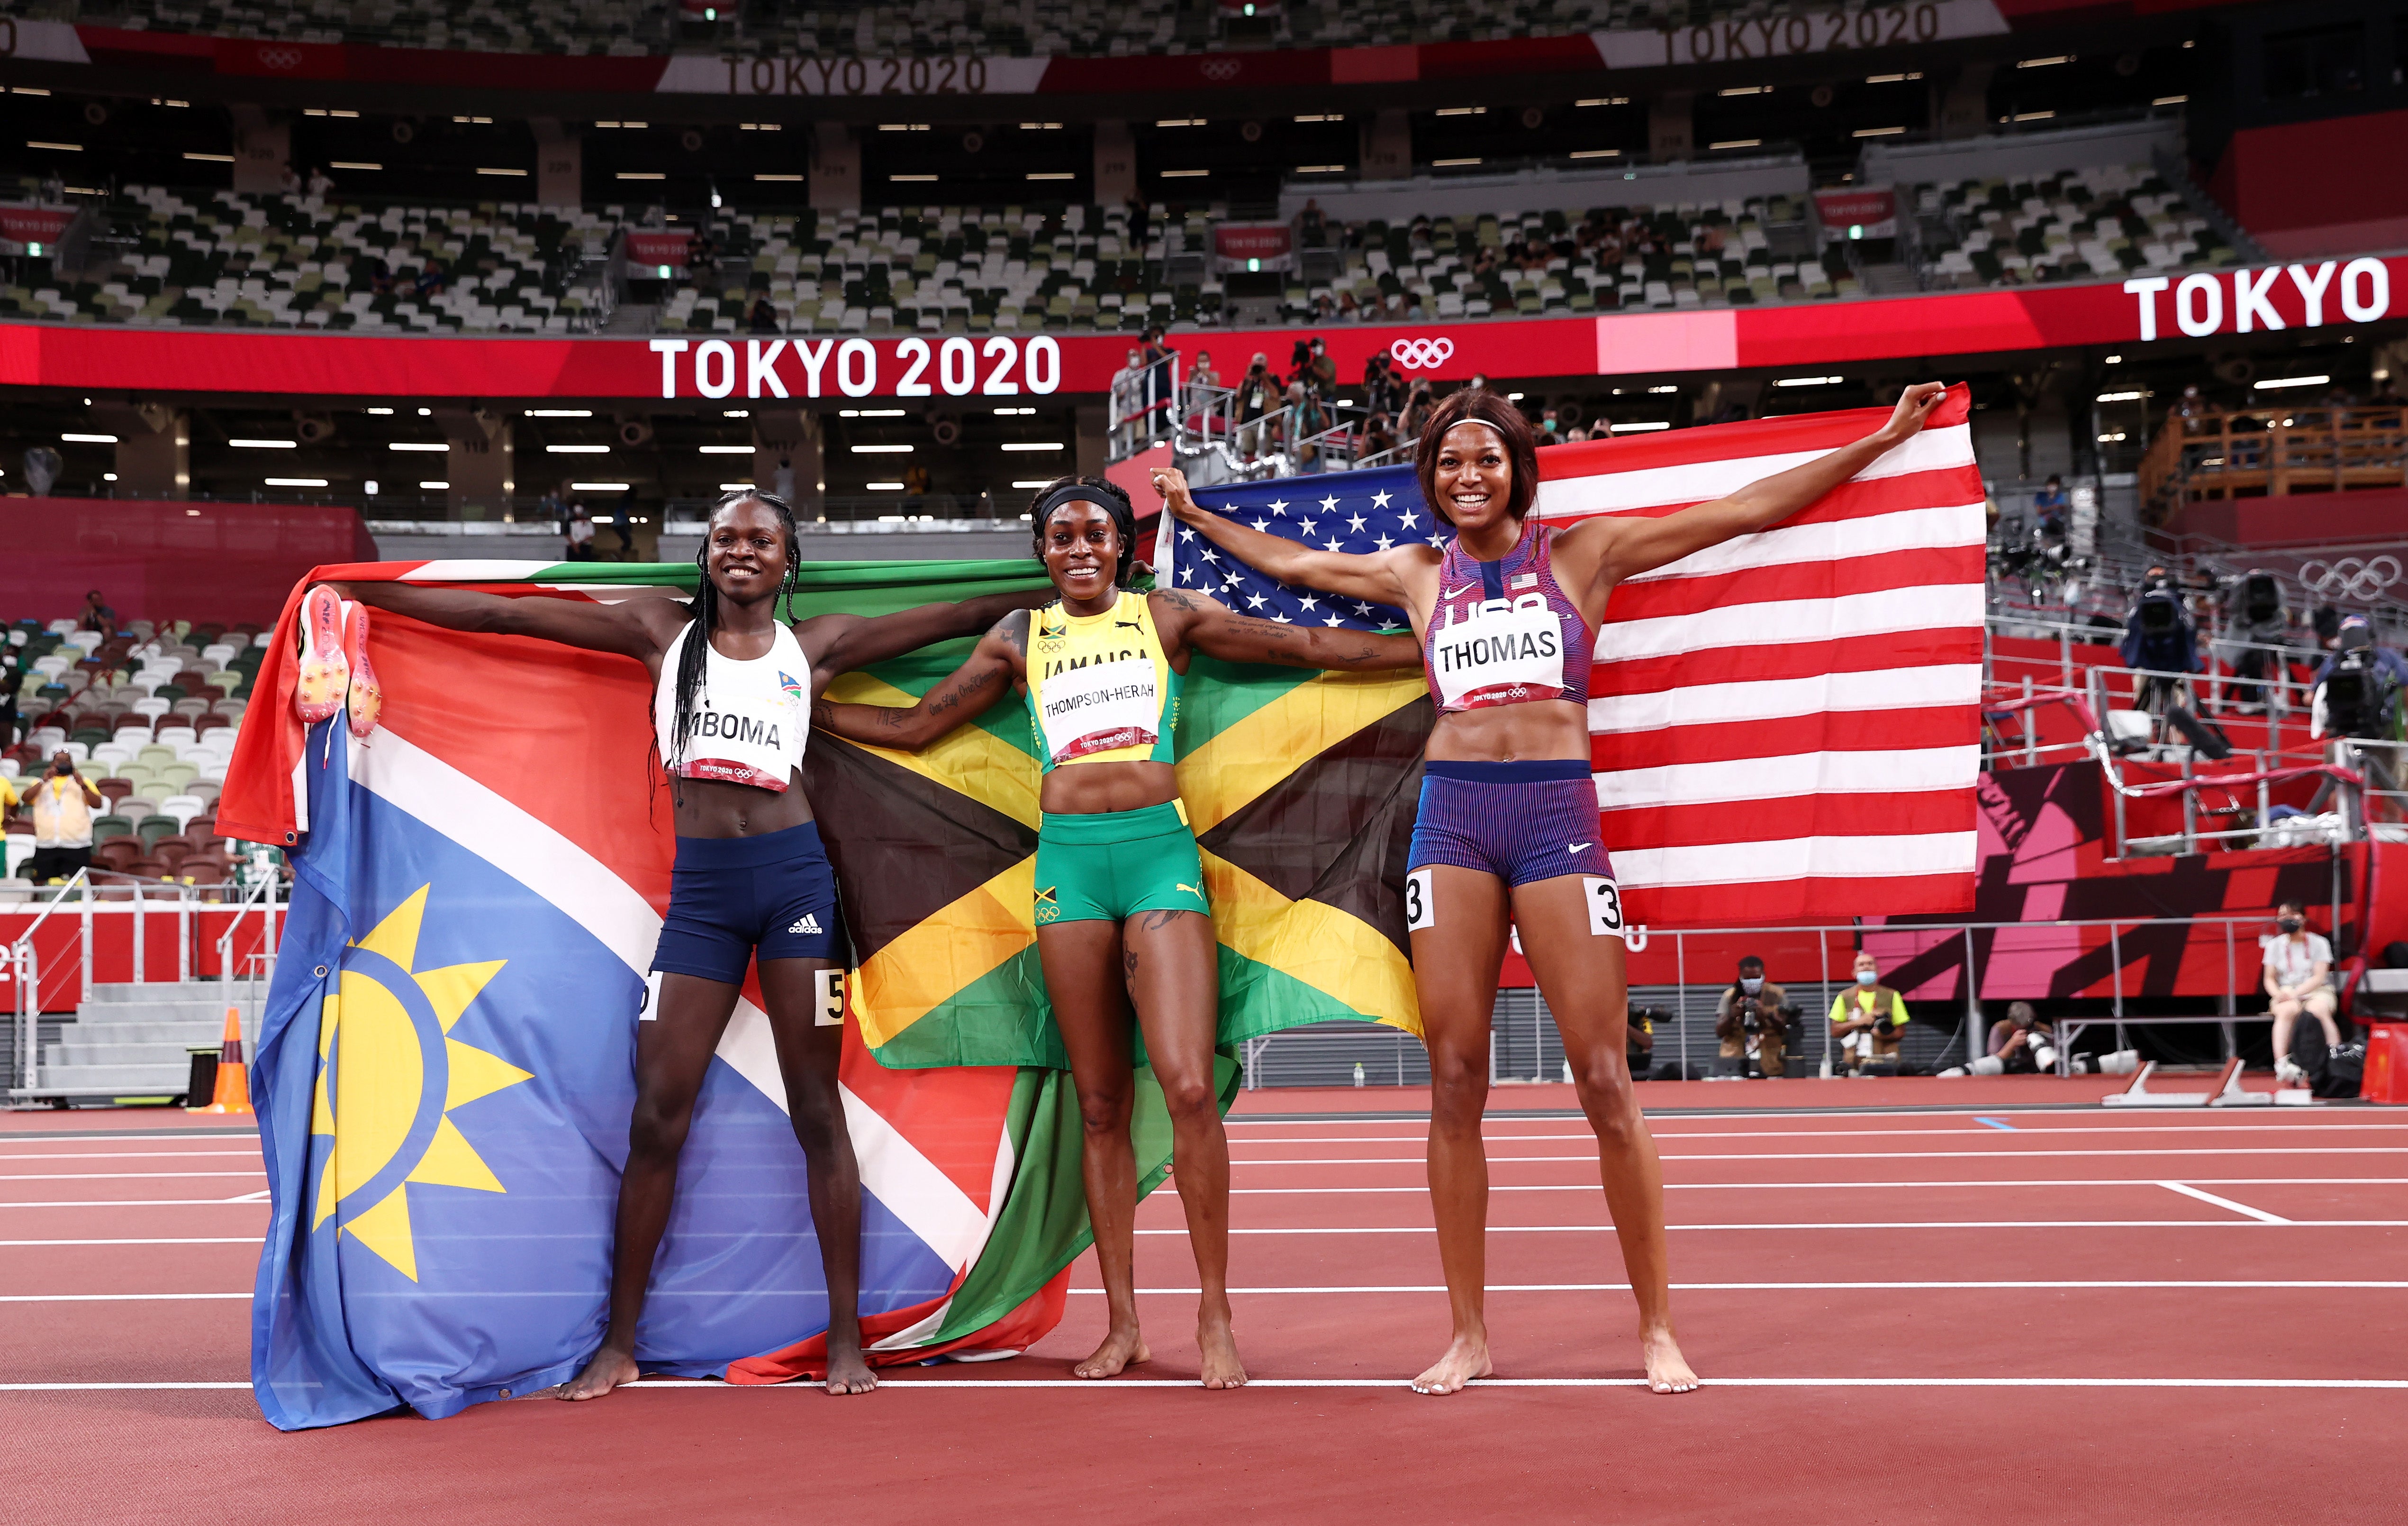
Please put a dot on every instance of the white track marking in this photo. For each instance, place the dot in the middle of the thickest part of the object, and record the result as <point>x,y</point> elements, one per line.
<point>2189,1191</point>
<point>897,1384</point>
<point>1803,1287</point>
<point>1864,1155</point>
<point>1818,1187</point>
<point>124,1175</point>
<point>1904,1224</point>
<point>193,1240</point>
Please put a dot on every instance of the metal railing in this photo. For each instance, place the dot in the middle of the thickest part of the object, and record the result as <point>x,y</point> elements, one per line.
<point>100,892</point>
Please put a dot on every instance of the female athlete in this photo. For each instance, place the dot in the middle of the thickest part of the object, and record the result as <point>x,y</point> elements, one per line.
<point>751,874</point>
<point>1121,914</point>
<point>1509,818</point>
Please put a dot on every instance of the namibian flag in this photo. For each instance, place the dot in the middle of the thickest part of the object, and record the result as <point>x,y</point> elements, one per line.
<point>445,1072</point>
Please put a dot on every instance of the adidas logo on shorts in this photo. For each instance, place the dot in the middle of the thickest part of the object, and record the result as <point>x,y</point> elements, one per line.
<point>808,922</point>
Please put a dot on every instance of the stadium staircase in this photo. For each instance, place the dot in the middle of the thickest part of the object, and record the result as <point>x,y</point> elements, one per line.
<point>130,1039</point>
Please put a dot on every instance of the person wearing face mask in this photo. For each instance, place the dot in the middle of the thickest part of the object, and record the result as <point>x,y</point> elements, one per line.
<point>1748,1023</point>
<point>2299,974</point>
<point>1865,1019</point>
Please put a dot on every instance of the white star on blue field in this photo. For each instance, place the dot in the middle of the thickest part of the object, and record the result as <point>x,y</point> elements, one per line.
<point>1355,512</point>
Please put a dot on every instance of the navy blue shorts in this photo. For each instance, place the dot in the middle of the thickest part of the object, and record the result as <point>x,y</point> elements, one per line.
<point>1521,822</point>
<point>731,896</point>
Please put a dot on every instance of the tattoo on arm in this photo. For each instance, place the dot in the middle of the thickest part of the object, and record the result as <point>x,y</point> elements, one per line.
<point>969,687</point>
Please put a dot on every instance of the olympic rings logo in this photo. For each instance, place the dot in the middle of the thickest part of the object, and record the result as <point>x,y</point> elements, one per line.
<point>280,58</point>
<point>2351,577</point>
<point>1421,354</point>
<point>1220,70</point>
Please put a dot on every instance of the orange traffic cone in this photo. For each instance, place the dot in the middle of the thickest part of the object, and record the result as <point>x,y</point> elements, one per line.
<point>233,1093</point>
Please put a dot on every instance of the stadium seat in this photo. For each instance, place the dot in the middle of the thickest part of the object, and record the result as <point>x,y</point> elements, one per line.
<point>105,827</point>
<point>183,808</point>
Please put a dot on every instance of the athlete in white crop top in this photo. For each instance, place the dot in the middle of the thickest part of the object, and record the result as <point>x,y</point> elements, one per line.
<point>733,687</point>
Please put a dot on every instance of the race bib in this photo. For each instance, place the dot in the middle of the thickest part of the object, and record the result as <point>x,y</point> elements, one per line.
<point>1098,708</point>
<point>1501,651</point>
<point>1419,913</point>
<point>1604,906</point>
<point>829,1010</point>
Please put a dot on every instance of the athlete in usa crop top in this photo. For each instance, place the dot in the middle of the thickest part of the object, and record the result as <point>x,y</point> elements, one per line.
<point>751,885</point>
<point>1505,632</point>
<point>1508,825</point>
<point>1119,905</point>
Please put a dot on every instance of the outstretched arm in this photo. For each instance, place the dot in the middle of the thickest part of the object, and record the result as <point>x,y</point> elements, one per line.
<point>999,657</point>
<point>1218,631</point>
<point>1376,578</point>
<point>640,628</point>
<point>839,643</point>
<point>1627,545</point>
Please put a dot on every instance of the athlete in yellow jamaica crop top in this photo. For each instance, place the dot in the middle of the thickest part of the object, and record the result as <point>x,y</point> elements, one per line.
<point>1120,888</point>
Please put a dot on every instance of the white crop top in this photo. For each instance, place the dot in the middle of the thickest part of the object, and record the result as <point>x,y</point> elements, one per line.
<point>751,719</point>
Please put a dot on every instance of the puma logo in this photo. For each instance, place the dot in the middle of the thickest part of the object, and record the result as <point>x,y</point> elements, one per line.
<point>1193,891</point>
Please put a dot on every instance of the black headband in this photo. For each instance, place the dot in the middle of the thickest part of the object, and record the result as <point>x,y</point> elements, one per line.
<point>1079,493</point>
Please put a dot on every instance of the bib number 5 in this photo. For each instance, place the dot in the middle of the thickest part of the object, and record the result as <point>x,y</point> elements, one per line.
<point>828,1012</point>
<point>1604,906</point>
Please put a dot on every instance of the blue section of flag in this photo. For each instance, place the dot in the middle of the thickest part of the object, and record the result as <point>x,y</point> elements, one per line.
<point>462,1293</point>
<point>1357,512</point>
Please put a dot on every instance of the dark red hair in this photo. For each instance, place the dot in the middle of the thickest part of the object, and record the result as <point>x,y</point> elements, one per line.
<point>1478,405</point>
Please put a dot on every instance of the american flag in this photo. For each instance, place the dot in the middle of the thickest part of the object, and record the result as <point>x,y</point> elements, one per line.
<point>1781,728</point>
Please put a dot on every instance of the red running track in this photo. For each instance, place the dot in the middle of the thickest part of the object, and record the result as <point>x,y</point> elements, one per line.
<point>1899,1314</point>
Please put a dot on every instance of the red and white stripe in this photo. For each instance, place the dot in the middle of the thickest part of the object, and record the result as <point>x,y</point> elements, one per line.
<point>1788,725</point>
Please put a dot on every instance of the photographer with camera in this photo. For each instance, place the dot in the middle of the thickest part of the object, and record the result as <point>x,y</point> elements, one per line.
<point>2020,1045</point>
<point>1751,1020</point>
<point>2255,619</point>
<point>1865,1019</point>
<point>62,803</point>
<point>2161,643</point>
<point>2356,696</point>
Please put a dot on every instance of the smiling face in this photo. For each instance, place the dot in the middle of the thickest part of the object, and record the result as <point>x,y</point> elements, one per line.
<point>746,558</point>
<point>1474,476</point>
<point>1082,551</point>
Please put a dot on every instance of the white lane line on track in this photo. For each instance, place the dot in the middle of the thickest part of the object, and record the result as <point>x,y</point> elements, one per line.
<point>2189,1191</point>
<point>1896,1224</point>
<point>1128,1385</point>
<point>191,1240</point>
<point>1817,1187</point>
<point>126,1175</point>
<point>2070,1286</point>
<point>122,1154</point>
<point>1662,1134</point>
<point>1590,1158</point>
<point>258,1198</point>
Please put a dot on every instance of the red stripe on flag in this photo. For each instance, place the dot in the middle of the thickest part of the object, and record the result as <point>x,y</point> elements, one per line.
<point>1886,814</point>
<point>1795,582</point>
<point>1831,899</point>
<point>1725,442</point>
<point>1789,659</point>
<point>1857,498</point>
<point>1837,730</point>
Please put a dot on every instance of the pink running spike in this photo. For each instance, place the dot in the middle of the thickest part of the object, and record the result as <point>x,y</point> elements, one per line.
<point>324,673</point>
<point>365,700</point>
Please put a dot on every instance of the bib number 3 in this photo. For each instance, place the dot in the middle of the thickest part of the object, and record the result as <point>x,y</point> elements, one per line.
<point>1604,906</point>
<point>829,1010</point>
<point>1419,913</point>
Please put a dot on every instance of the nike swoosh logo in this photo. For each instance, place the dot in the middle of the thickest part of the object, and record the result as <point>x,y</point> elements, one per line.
<point>1576,847</point>
<point>1457,593</point>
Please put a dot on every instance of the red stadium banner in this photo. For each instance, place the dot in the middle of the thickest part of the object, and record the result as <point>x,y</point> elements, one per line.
<point>35,224</point>
<point>653,247</point>
<point>1251,241</point>
<point>2323,293</point>
<point>1873,209</point>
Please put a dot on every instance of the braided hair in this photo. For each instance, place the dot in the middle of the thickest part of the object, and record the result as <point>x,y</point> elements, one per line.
<point>693,653</point>
<point>1109,496</point>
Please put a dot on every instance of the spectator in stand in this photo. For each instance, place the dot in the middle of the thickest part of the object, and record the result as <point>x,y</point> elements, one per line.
<point>2192,409</point>
<point>1257,395</point>
<point>1750,1024</point>
<point>63,801</point>
<point>580,535</point>
<point>2299,976</point>
<point>1311,228</point>
<point>1138,216</point>
<point>1202,382</point>
<point>12,682</point>
<point>97,615</point>
<point>1711,240</point>
<point>2048,508</point>
<point>1321,372</point>
<point>1307,422</point>
<point>1866,1019</point>
<point>1575,435</point>
<point>431,279</point>
<point>1153,356</point>
<point>781,482</point>
<point>380,276</point>
<point>915,480</point>
<point>763,318</point>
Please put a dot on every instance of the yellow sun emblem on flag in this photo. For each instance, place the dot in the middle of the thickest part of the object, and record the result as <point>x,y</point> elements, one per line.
<point>388,1076</point>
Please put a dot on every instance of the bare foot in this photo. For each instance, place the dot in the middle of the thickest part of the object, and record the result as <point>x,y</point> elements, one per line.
<point>1219,1344</point>
<point>1465,1359</point>
<point>1121,1349</point>
<point>848,1374</point>
<point>1667,1371</point>
<point>607,1371</point>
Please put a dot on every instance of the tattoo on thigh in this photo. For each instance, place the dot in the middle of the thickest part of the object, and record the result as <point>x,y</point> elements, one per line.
<point>1154,922</point>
